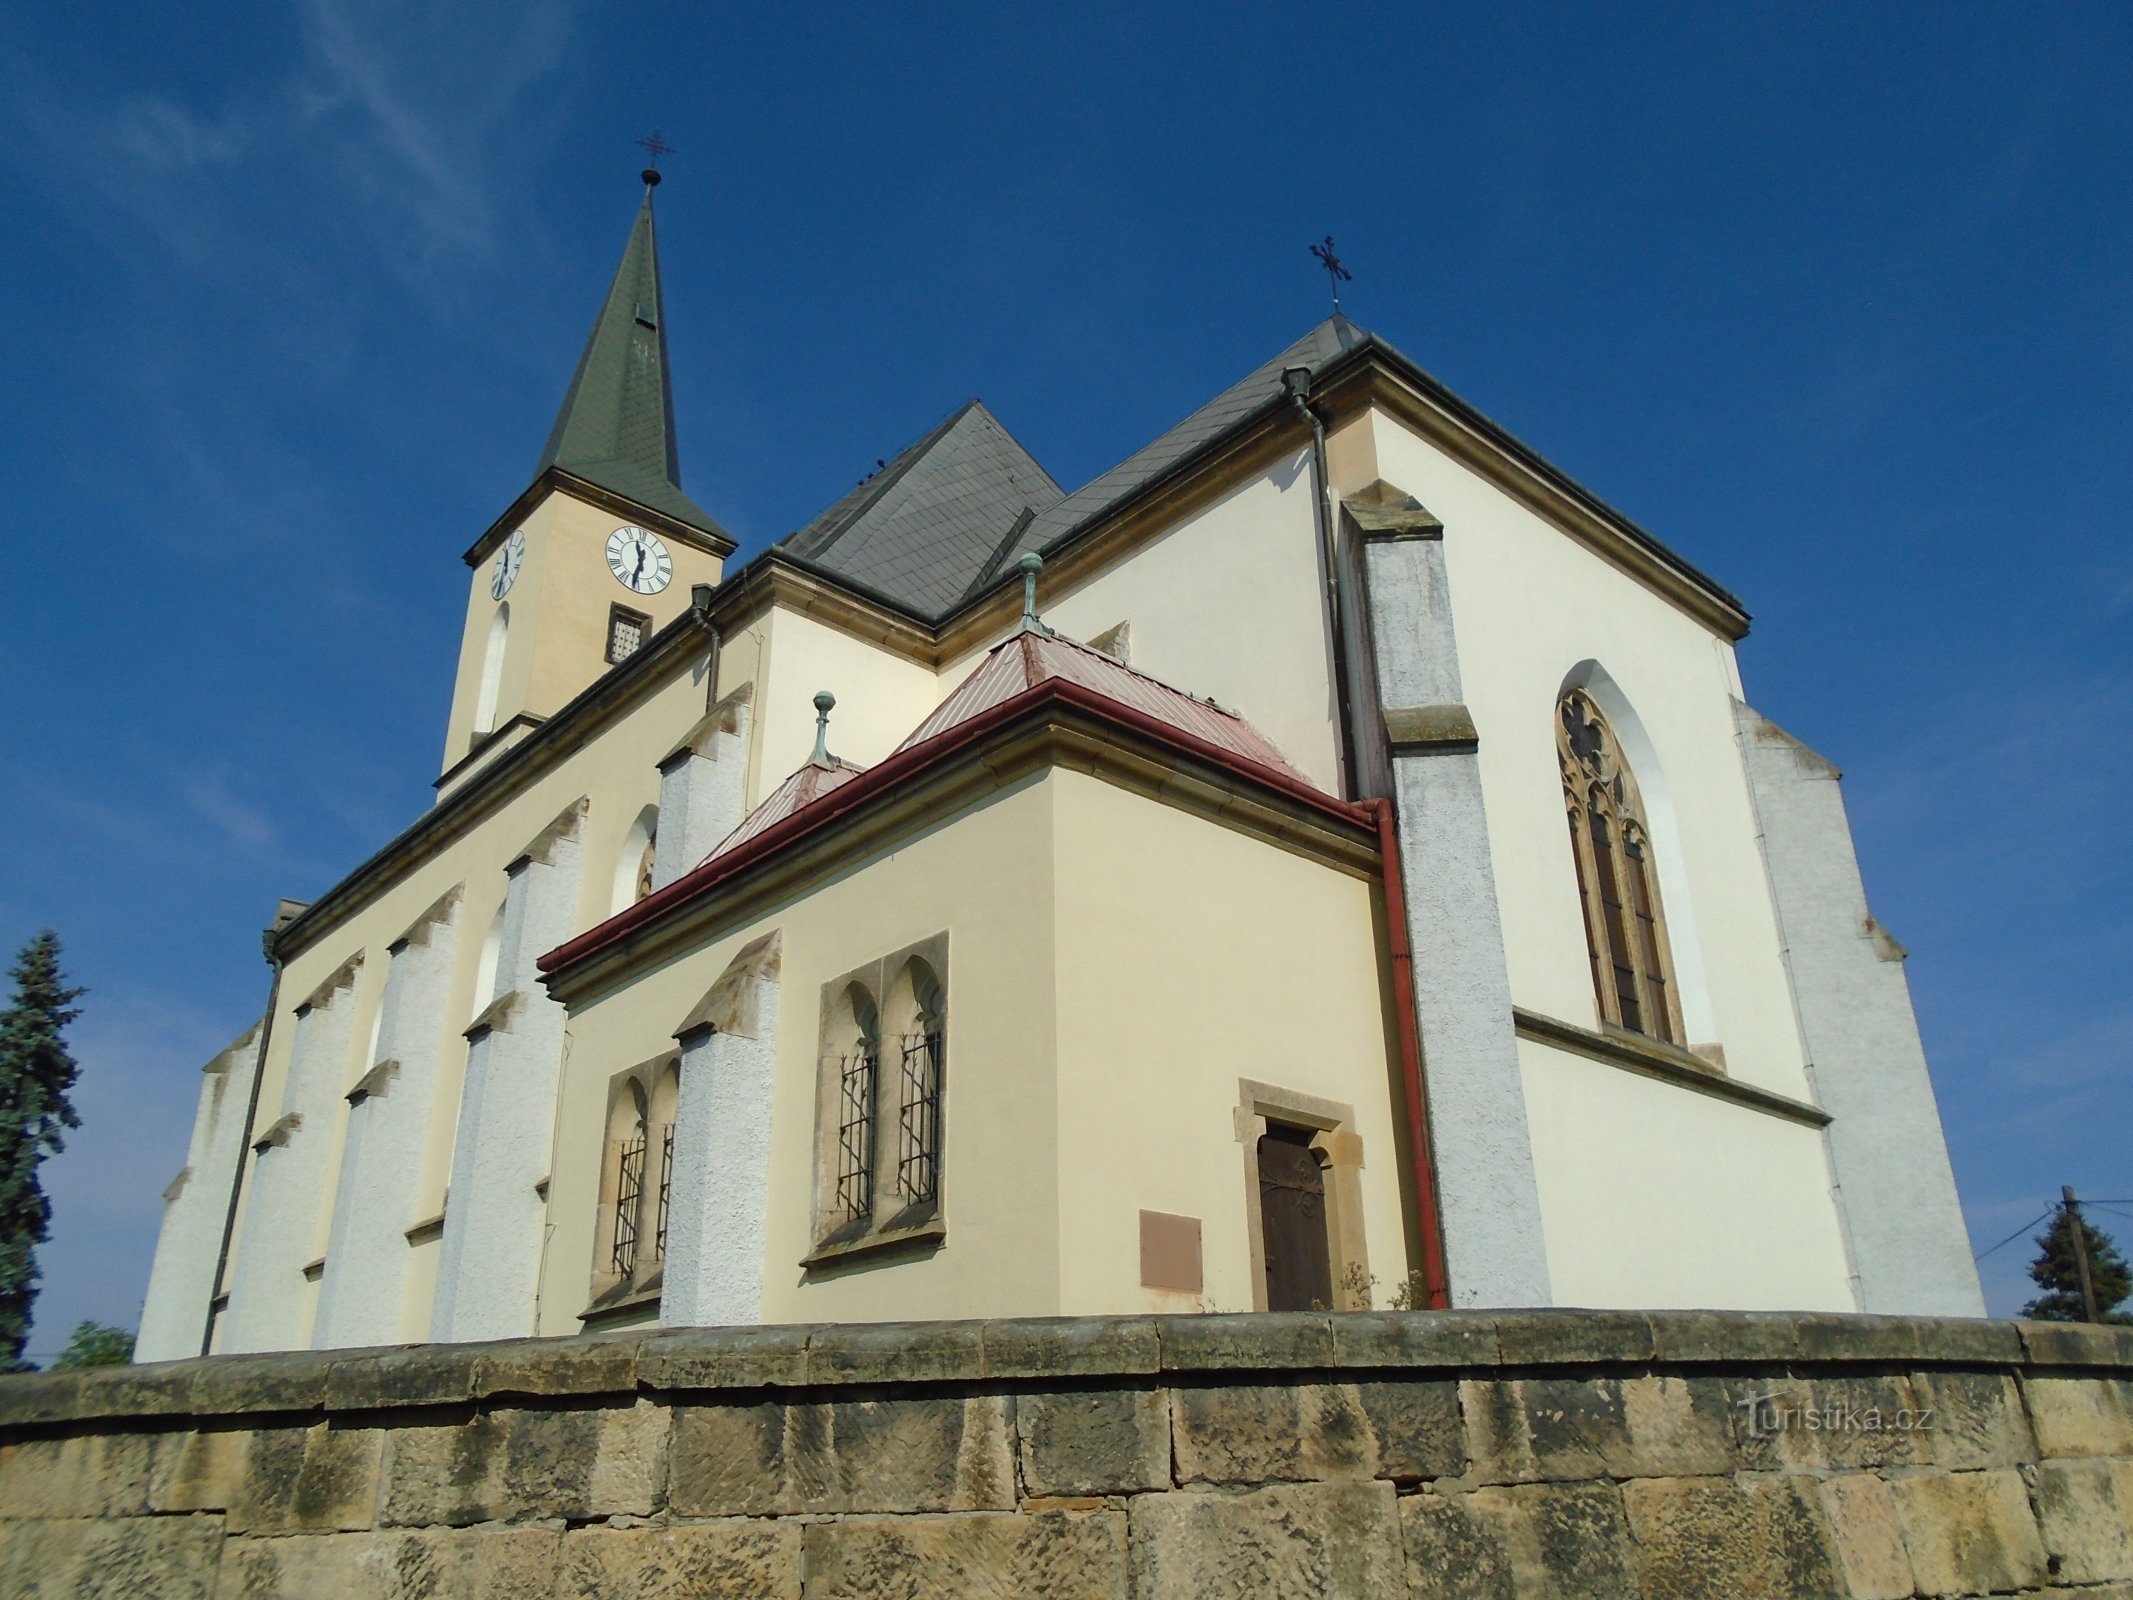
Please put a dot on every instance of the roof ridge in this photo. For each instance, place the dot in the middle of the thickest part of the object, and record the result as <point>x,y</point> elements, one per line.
<point>881,482</point>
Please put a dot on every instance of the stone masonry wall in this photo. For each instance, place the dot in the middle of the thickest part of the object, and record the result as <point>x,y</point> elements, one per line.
<point>1561,1453</point>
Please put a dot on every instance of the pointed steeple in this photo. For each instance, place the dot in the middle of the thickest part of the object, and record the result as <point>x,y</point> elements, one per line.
<point>616,428</point>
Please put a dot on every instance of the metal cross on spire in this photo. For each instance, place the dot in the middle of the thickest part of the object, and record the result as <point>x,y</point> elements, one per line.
<point>1336,274</point>
<point>654,148</point>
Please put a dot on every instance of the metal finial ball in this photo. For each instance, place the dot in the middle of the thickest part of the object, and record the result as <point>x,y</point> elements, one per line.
<point>824,701</point>
<point>650,175</point>
<point>1031,562</point>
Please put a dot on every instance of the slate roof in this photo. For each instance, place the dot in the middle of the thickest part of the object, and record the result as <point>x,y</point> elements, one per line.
<point>926,525</point>
<point>1331,338</point>
<point>1033,654</point>
<point>803,788</point>
<point>616,426</point>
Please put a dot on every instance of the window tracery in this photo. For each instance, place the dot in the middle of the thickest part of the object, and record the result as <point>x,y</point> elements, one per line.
<point>1618,889</point>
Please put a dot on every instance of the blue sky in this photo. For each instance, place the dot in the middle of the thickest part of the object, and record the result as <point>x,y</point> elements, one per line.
<point>1835,301</point>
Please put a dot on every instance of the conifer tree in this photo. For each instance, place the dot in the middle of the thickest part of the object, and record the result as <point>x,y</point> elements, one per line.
<point>2058,1274</point>
<point>36,1083</point>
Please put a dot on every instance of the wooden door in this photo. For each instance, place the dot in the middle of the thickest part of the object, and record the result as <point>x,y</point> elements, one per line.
<point>1292,1221</point>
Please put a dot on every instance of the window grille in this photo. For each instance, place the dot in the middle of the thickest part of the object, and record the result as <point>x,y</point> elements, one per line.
<point>666,1193</point>
<point>855,1130</point>
<point>625,633</point>
<point>629,1191</point>
<point>918,1128</point>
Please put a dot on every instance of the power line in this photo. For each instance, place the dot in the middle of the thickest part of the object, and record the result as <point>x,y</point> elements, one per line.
<point>2010,1239</point>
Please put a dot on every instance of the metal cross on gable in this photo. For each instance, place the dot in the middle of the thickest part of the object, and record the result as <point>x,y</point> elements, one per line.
<point>1336,274</point>
<point>654,148</point>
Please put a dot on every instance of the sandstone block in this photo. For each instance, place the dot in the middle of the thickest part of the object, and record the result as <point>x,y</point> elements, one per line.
<point>169,1558</point>
<point>1096,1441</point>
<point>599,1363</point>
<point>1284,1339</point>
<point>1546,1338</point>
<point>1559,1538</point>
<point>292,1381</point>
<point>1453,1551</point>
<point>1414,1339</point>
<point>2083,1416</point>
<point>29,1398</point>
<point>723,1358</point>
<point>930,1454</point>
<point>510,1465</point>
<point>86,1475</point>
<point>2076,1344</point>
<point>1058,1555</point>
<point>1752,1535</point>
<point>733,1560</point>
<point>1320,1541</point>
<point>1977,1420</point>
<point>1415,1428</point>
<point>318,1479</point>
<point>1569,1429</point>
<point>1055,1347</point>
<point>1969,1532</point>
<point>1862,1515</point>
<point>2085,1513</point>
<point>1239,1433</point>
<point>1710,1338</point>
<point>428,1375</point>
<point>1828,1422</point>
<point>895,1352</point>
<point>201,1471</point>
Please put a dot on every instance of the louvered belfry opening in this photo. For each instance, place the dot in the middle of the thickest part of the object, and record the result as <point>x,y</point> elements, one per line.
<point>1292,1221</point>
<point>1618,891</point>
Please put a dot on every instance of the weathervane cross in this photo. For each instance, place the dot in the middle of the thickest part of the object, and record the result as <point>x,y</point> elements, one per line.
<point>1336,274</point>
<point>654,148</point>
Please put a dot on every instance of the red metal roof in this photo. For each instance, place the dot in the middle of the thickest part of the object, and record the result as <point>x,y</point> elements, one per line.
<point>803,788</point>
<point>1031,656</point>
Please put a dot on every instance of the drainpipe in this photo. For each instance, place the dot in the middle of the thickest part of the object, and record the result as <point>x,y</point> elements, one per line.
<point>244,1148</point>
<point>1296,382</point>
<point>1427,1217</point>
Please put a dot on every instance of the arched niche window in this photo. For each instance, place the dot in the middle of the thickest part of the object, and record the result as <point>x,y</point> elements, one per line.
<point>916,1007</point>
<point>628,1121</point>
<point>633,864</point>
<point>856,1041</point>
<point>492,670</point>
<point>881,1103</point>
<point>1618,884</point>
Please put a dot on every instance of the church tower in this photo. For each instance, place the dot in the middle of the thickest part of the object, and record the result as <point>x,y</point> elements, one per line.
<point>603,548</point>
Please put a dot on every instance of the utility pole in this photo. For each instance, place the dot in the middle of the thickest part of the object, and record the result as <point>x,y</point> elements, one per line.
<point>2081,1255</point>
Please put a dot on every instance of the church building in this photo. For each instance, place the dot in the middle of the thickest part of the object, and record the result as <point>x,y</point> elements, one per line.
<point>1327,860</point>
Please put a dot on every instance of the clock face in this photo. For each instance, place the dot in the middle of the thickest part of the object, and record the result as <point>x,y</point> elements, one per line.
<point>509,559</point>
<point>638,560</point>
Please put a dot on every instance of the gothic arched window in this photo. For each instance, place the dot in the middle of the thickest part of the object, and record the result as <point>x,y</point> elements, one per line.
<point>1618,884</point>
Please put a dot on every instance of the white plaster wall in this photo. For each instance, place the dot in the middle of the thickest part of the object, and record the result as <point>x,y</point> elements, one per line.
<point>719,1207</point>
<point>269,1301</point>
<point>182,1281</point>
<point>1659,1196</point>
<point>367,1259</point>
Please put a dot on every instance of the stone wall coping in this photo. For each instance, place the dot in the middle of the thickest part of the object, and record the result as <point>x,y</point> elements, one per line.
<point>1041,1349</point>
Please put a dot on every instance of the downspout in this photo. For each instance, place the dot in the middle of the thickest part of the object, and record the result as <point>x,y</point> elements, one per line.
<point>1296,381</point>
<point>1427,1217</point>
<point>244,1148</point>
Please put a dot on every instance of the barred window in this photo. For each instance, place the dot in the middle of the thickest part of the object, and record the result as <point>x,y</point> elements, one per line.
<point>637,1180</point>
<point>1618,891</point>
<point>881,1099</point>
<point>918,1120</point>
<point>629,1195</point>
<point>625,633</point>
